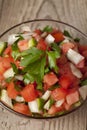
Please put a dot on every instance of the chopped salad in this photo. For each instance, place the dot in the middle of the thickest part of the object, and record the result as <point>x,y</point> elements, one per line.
<point>43,72</point>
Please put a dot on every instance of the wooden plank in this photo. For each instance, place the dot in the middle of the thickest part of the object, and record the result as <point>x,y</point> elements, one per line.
<point>16,11</point>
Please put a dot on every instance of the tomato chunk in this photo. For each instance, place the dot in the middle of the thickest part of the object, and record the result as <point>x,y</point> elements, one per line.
<point>58,36</point>
<point>66,46</point>
<point>58,94</point>
<point>53,110</point>
<point>50,79</point>
<point>72,98</point>
<point>65,81</point>
<point>42,45</point>
<point>12,92</point>
<point>21,108</point>
<point>29,93</point>
<point>23,45</point>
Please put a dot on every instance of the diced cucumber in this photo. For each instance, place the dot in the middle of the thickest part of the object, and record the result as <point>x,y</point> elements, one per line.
<point>5,98</point>
<point>40,102</point>
<point>46,95</point>
<point>59,102</point>
<point>32,42</point>
<point>47,105</point>
<point>33,106</point>
<point>3,45</point>
<point>9,73</point>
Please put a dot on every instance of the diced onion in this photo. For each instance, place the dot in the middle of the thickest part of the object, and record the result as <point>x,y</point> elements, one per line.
<point>33,106</point>
<point>12,38</point>
<point>5,98</point>
<point>9,73</point>
<point>26,29</point>
<point>49,39</point>
<point>75,71</point>
<point>59,103</point>
<point>46,95</point>
<point>19,99</point>
<point>19,77</point>
<point>83,91</point>
<point>47,105</point>
<point>74,56</point>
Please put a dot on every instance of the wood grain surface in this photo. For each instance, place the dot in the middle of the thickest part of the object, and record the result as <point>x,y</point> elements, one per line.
<point>73,12</point>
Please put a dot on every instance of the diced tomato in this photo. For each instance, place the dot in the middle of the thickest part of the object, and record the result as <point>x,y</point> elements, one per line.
<point>42,45</point>
<point>82,48</point>
<point>23,45</point>
<point>12,92</point>
<point>29,93</point>
<point>53,110</point>
<point>67,106</point>
<point>66,46</point>
<point>8,50</point>
<point>81,64</point>
<point>39,93</point>
<point>2,69</point>
<point>65,81</point>
<point>84,53</point>
<point>58,94</point>
<point>72,98</point>
<point>46,87</point>
<point>50,79</point>
<point>21,108</point>
<point>58,36</point>
<point>38,31</point>
<point>62,60</point>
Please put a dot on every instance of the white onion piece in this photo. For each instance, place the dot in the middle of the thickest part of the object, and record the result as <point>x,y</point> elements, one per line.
<point>49,39</point>
<point>19,99</point>
<point>46,95</point>
<point>74,56</point>
<point>33,106</point>
<point>83,91</point>
<point>27,36</point>
<point>25,29</point>
<point>19,77</point>
<point>5,98</point>
<point>44,34</point>
<point>75,71</point>
<point>9,73</point>
<point>59,103</point>
<point>47,105</point>
<point>12,38</point>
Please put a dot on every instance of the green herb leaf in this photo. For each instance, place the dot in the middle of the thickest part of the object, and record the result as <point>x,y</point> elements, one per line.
<point>84,82</point>
<point>15,49</point>
<point>77,39</point>
<point>52,61</point>
<point>8,80</point>
<point>14,67</point>
<point>56,49</point>
<point>66,33</point>
<point>48,29</point>
<point>31,58</point>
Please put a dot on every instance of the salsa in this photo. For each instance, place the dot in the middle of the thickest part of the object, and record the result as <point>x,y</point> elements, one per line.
<point>43,72</point>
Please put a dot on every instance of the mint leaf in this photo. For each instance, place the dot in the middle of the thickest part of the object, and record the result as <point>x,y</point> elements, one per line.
<point>84,82</point>
<point>77,39</point>
<point>14,67</point>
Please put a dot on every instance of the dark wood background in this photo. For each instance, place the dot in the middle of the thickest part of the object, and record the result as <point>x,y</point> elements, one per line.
<point>73,12</point>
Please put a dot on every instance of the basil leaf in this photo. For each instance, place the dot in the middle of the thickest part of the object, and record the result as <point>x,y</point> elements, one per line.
<point>57,49</point>
<point>48,29</point>
<point>66,33</point>
<point>52,61</point>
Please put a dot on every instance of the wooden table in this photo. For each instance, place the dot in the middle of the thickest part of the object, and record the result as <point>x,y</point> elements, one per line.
<point>73,12</point>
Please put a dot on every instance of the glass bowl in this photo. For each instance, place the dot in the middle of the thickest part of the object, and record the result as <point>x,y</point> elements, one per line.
<point>41,23</point>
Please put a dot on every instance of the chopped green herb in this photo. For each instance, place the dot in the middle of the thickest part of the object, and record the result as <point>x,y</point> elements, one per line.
<point>84,82</point>
<point>8,80</point>
<point>48,29</point>
<point>77,39</point>
<point>14,67</point>
<point>66,33</point>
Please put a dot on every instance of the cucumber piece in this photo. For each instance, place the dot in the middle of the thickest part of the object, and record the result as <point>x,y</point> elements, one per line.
<point>5,98</point>
<point>3,45</point>
<point>19,99</point>
<point>48,104</point>
<point>32,42</point>
<point>33,106</point>
<point>40,102</point>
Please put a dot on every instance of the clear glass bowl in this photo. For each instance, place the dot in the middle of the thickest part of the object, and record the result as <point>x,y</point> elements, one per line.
<point>41,23</point>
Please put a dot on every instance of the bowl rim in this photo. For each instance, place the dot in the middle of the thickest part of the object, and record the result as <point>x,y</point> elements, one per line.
<point>4,105</point>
